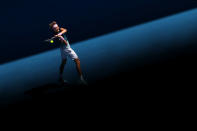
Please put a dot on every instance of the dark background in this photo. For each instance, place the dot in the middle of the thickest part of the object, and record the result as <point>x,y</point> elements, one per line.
<point>24,24</point>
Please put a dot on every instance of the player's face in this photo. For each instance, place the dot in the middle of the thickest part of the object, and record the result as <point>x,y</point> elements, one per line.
<point>56,29</point>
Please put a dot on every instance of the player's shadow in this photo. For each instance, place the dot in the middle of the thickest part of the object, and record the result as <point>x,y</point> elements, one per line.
<point>43,90</point>
<point>56,95</point>
<point>50,89</point>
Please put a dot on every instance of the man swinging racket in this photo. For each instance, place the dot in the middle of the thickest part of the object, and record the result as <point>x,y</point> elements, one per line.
<point>66,50</point>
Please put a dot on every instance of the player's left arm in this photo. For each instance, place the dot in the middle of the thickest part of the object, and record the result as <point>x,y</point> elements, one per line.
<point>63,30</point>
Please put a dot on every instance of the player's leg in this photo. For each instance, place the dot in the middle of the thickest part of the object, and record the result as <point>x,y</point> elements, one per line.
<point>63,63</point>
<point>71,53</point>
<point>78,67</point>
<point>62,67</point>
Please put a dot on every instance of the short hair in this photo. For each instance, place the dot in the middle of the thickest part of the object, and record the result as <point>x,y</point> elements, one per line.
<point>52,23</point>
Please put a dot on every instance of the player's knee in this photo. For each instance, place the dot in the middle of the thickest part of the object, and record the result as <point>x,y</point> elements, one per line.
<point>77,61</point>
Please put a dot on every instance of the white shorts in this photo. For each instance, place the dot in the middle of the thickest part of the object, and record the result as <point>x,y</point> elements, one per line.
<point>67,51</point>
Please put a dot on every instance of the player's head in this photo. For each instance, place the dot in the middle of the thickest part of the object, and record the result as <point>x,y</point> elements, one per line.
<point>54,26</point>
